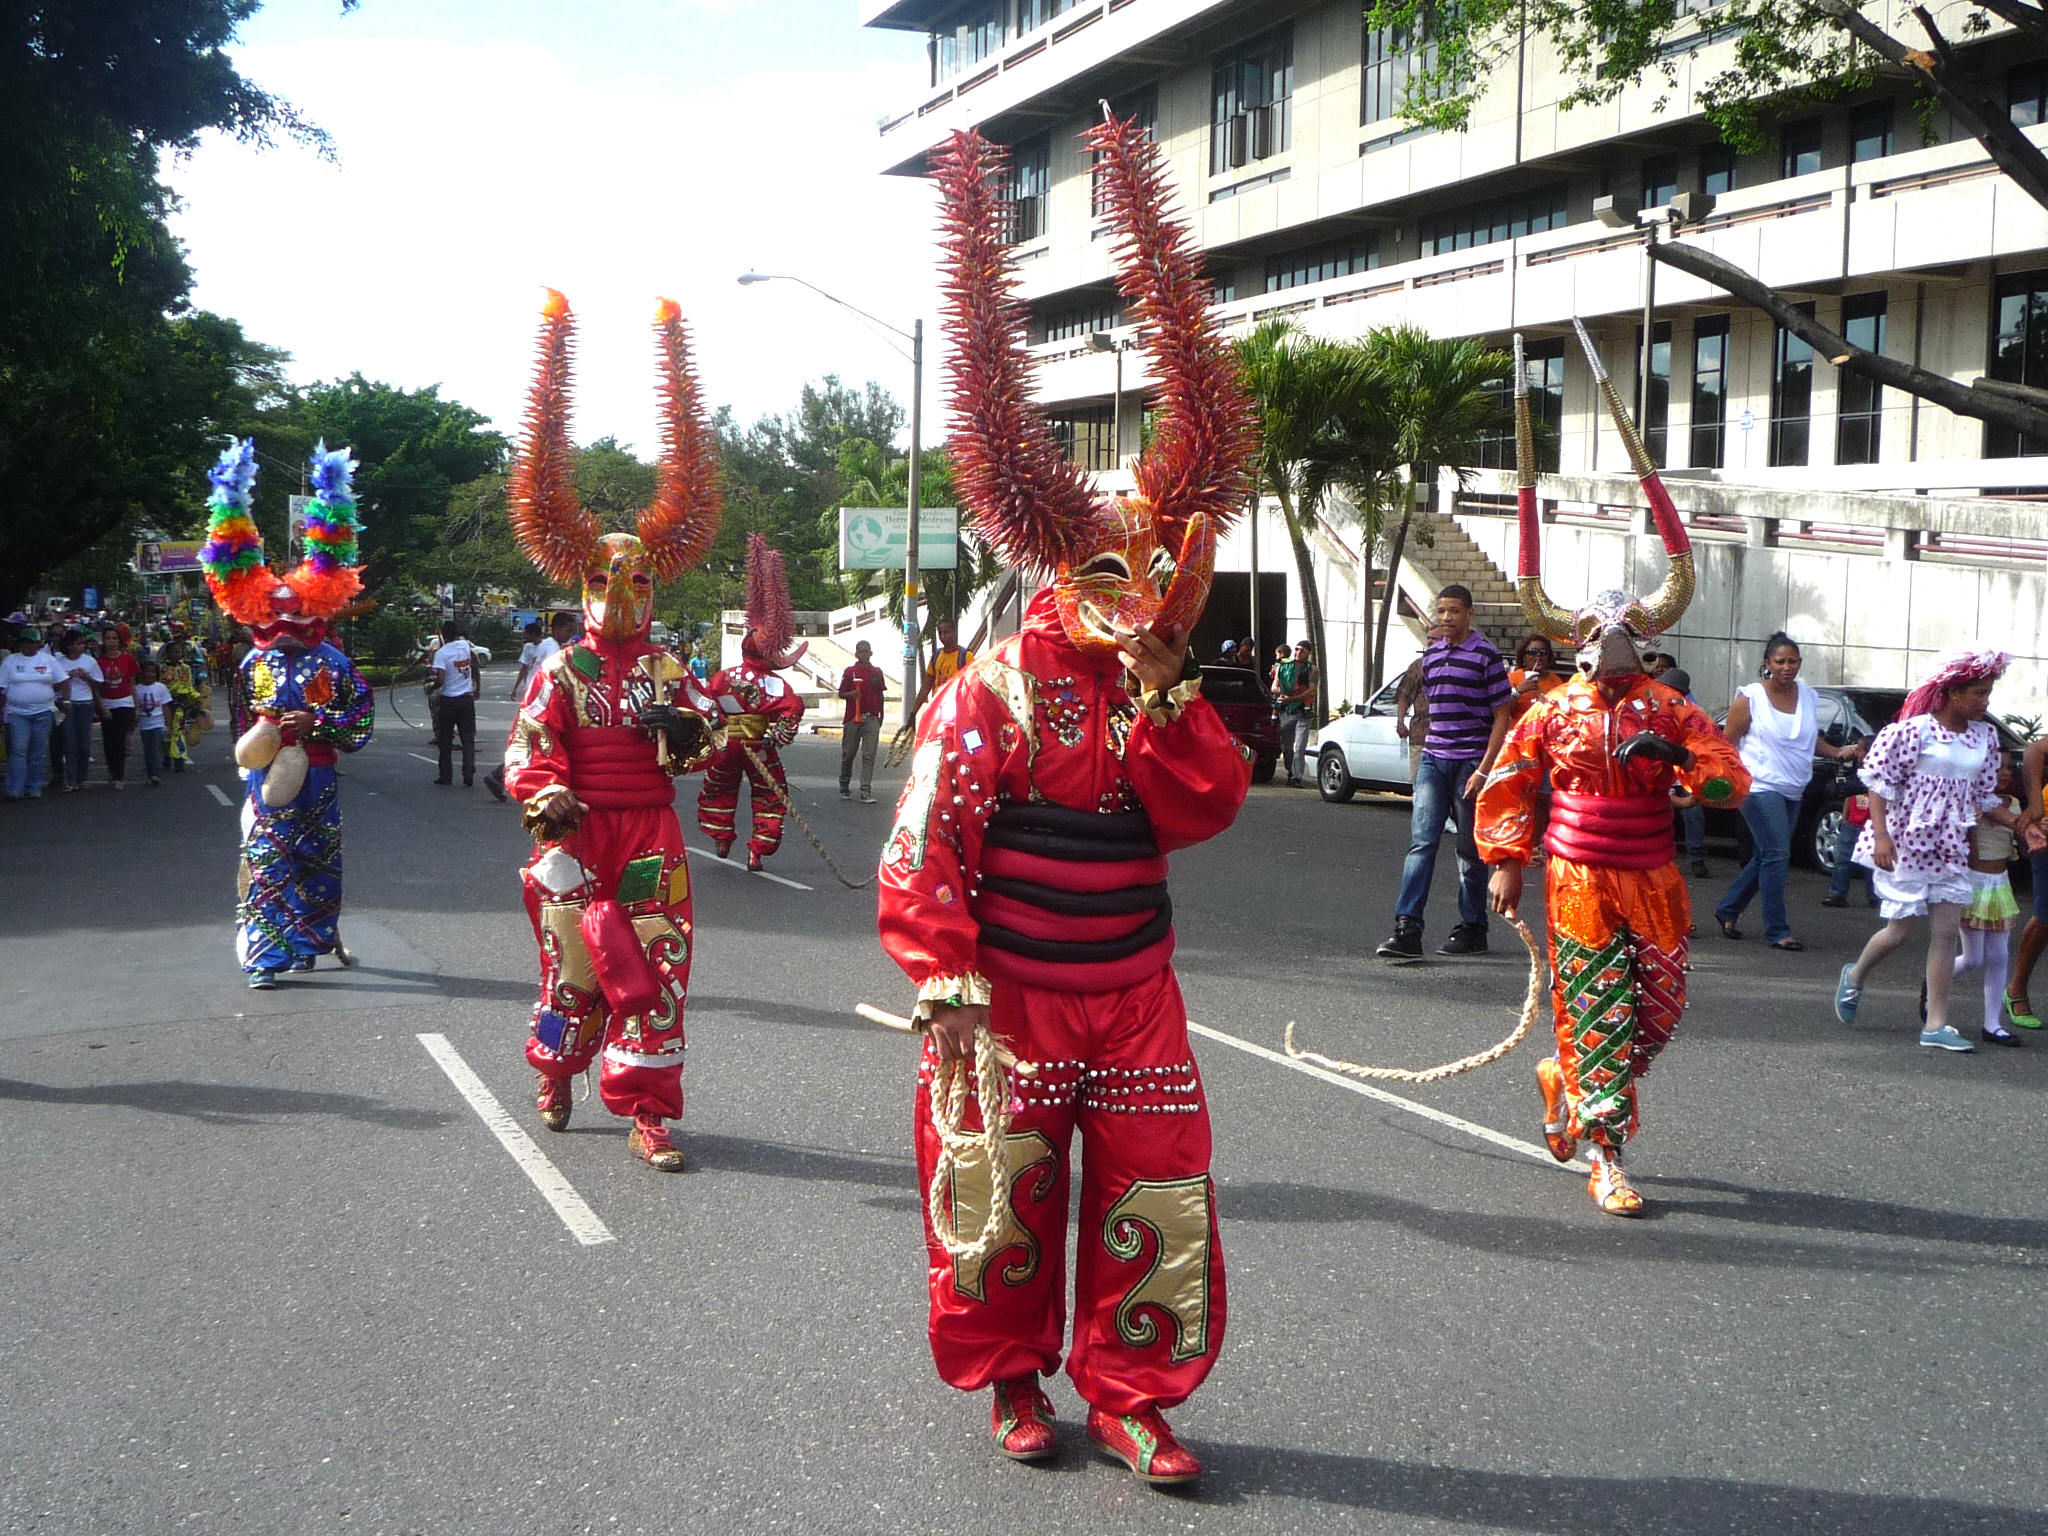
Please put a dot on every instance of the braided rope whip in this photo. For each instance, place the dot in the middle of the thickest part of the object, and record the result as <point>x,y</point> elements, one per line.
<point>789,809</point>
<point>899,746</point>
<point>1531,1006</point>
<point>949,1108</point>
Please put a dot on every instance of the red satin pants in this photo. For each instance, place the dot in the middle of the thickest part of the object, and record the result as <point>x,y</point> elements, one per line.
<point>718,800</point>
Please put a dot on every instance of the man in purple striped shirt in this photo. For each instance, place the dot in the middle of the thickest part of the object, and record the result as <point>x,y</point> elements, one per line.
<point>1466,684</point>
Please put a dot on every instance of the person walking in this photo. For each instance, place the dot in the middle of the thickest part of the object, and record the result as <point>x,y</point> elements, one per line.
<point>80,701</point>
<point>152,699</point>
<point>29,680</point>
<point>1993,912</point>
<point>1775,725</point>
<point>2019,1007</point>
<point>861,686</point>
<point>529,653</point>
<point>561,630</point>
<point>1466,683</point>
<point>454,663</point>
<point>1297,711</point>
<point>118,673</point>
<point>1932,773</point>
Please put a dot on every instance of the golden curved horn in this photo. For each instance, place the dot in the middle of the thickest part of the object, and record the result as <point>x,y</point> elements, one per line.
<point>1544,616</point>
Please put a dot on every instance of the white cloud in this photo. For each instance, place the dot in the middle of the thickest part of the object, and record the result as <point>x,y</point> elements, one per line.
<point>472,175</point>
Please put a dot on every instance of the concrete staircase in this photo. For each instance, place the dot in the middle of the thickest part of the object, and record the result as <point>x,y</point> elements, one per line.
<point>1453,556</point>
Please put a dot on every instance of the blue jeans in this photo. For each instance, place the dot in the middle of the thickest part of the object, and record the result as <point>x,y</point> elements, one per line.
<point>153,747</point>
<point>1295,731</point>
<point>28,752</point>
<point>1439,782</point>
<point>1694,820</point>
<point>1770,816</point>
<point>1846,870</point>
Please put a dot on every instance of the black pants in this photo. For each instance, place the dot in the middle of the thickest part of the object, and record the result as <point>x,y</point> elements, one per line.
<point>459,715</point>
<point>114,736</point>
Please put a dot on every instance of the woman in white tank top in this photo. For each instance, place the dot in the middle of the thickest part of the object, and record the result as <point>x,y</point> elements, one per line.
<point>1775,726</point>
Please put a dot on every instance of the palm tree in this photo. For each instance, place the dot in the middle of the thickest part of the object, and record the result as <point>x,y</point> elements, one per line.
<point>1439,409</point>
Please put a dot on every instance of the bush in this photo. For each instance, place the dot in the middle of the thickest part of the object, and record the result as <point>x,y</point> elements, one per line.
<point>495,635</point>
<point>389,636</point>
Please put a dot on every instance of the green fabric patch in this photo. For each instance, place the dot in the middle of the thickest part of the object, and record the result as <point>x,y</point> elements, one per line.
<point>1715,791</point>
<point>640,880</point>
<point>586,661</point>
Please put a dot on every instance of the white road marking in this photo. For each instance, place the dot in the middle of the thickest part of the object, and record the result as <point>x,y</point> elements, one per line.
<point>739,868</point>
<point>579,1218</point>
<point>215,791</point>
<point>1484,1133</point>
<point>431,762</point>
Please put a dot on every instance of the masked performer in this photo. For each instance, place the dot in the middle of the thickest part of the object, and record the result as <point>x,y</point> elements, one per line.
<point>760,711</point>
<point>1024,883</point>
<point>1614,743</point>
<point>604,728</point>
<point>306,704</point>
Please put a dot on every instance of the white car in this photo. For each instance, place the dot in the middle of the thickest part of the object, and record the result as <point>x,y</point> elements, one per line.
<point>1361,751</point>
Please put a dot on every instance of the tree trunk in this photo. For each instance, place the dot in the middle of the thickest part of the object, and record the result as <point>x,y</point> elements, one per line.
<point>1311,606</point>
<point>1393,594</point>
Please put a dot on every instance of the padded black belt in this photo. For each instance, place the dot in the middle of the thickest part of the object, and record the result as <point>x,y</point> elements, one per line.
<point>1056,832</point>
<point>1080,952</point>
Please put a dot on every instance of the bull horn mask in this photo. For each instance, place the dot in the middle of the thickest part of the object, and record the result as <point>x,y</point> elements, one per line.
<point>1610,631</point>
<point>562,537</point>
<point>1032,505</point>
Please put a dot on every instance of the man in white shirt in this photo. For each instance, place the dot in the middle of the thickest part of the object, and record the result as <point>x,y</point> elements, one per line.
<point>529,657</point>
<point>455,664</point>
<point>28,684</point>
<point>561,630</point>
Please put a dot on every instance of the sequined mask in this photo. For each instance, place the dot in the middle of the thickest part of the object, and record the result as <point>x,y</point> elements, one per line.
<point>618,589</point>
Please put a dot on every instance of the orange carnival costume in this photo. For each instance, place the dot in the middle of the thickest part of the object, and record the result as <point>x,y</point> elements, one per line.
<point>1614,743</point>
<point>760,712</point>
<point>1027,867</point>
<point>604,728</point>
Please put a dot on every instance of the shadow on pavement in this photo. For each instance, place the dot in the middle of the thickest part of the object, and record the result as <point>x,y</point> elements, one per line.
<point>1530,1237</point>
<point>1798,1208</point>
<point>779,1160</point>
<point>778,1012</point>
<point>227,1103</point>
<point>1587,1506</point>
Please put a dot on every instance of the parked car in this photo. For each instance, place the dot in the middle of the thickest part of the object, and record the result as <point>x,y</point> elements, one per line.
<point>1844,715</point>
<point>1361,751</point>
<point>1247,710</point>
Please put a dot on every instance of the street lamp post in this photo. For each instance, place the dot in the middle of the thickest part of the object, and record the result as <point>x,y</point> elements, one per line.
<point>1620,212</point>
<point>915,336</point>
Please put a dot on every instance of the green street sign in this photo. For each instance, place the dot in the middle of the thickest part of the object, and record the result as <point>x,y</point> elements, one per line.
<point>877,538</point>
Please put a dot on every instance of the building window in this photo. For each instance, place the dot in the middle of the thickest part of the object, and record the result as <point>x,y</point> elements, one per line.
<point>1717,170</point>
<point>1859,402</point>
<point>1799,148</point>
<point>2019,354</point>
<point>1144,106</point>
<point>1222,290</point>
<point>1098,314</point>
<point>1655,431</point>
<point>1320,263</point>
<point>1394,57</point>
<point>2026,93</point>
<point>1252,103</point>
<point>1505,218</point>
<point>1791,396</point>
<point>1660,181</point>
<point>978,34</point>
<point>1032,14</point>
<point>1543,365</point>
<point>1870,131</point>
<point>1030,183</point>
<point>1086,436</point>
<point>1709,391</point>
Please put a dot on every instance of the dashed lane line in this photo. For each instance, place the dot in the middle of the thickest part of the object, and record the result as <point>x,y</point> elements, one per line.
<point>1367,1090</point>
<point>577,1216</point>
<point>220,795</point>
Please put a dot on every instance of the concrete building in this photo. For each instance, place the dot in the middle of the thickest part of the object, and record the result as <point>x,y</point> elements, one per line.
<point>1874,526</point>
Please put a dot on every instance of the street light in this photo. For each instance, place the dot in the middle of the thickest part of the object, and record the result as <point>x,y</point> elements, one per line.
<point>1103,341</point>
<point>1619,211</point>
<point>915,336</point>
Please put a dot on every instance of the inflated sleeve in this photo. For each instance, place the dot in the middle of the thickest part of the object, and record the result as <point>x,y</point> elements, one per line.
<point>535,759</point>
<point>1504,824</point>
<point>1717,776</point>
<point>1190,773</point>
<point>1893,755</point>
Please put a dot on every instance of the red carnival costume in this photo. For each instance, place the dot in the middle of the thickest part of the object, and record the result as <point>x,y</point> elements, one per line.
<point>760,712</point>
<point>1027,867</point>
<point>1614,744</point>
<point>603,729</point>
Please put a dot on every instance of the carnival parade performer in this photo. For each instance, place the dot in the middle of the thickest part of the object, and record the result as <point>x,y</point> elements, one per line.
<point>603,729</point>
<point>1614,744</point>
<point>1023,887</point>
<point>1932,775</point>
<point>760,713</point>
<point>306,704</point>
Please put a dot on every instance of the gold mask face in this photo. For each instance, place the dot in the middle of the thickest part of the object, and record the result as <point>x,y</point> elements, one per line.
<point>618,590</point>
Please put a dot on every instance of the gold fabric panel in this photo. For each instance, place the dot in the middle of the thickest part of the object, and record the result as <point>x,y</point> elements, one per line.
<point>969,1192</point>
<point>1176,1214</point>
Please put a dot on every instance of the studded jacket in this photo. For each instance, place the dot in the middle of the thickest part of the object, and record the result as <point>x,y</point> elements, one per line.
<point>1031,840</point>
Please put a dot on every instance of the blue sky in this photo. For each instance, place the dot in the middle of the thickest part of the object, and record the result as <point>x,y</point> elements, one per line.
<point>619,150</point>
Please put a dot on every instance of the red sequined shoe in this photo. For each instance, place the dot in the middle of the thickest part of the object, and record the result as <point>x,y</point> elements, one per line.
<point>1144,1442</point>
<point>1557,1115</point>
<point>553,1101</point>
<point>649,1142</point>
<point>723,845</point>
<point>1020,1417</point>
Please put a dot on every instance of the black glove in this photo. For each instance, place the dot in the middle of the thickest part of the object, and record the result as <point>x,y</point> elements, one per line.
<point>1650,744</point>
<point>686,731</point>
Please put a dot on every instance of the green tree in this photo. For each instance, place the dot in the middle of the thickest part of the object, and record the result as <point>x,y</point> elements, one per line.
<point>1784,54</point>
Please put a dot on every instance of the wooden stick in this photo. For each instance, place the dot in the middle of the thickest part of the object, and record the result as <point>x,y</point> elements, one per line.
<point>875,1015</point>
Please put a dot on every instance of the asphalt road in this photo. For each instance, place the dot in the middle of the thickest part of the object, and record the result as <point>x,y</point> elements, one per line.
<point>267,1270</point>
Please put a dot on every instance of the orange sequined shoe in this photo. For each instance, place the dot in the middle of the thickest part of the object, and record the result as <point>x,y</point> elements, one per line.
<point>1020,1417</point>
<point>1144,1442</point>
<point>553,1101</point>
<point>1611,1190</point>
<point>649,1142</point>
<point>1557,1115</point>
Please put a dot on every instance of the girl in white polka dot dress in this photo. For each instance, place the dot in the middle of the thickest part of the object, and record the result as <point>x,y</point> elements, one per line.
<point>1930,774</point>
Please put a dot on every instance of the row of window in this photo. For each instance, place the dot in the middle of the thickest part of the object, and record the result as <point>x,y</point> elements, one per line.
<point>985,29</point>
